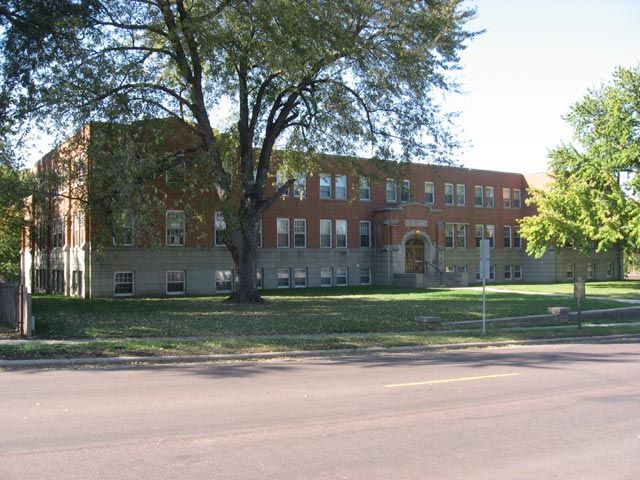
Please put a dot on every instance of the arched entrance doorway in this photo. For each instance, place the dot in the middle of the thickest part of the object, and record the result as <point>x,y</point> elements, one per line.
<point>414,256</point>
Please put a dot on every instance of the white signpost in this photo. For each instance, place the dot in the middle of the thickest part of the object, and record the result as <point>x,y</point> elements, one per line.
<point>485,253</point>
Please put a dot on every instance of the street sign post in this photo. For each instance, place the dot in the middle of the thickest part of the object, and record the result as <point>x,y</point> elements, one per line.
<point>485,253</point>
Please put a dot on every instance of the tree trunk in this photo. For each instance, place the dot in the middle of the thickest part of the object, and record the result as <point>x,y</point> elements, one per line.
<point>243,245</point>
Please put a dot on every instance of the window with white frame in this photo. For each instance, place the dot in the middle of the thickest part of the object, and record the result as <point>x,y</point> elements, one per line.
<point>461,269</point>
<point>508,269</point>
<point>282,240</point>
<point>365,275</point>
<point>517,198</point>
<point>364,191</point>
<point>176,174</point>
<point>490,199</point>
<point>300,186</point>
<point>281,179</point>
<point>461,194</point>
<point>479,234</point>
<point>300,277</point>
<point>224,281</point>
<point>507,236</point>
<point>259,277</point>
<point>326,277</point>
<point>58,233</point>
<point>569,271</point>
<point>490,232</point>
<point>175,228</point>
<point>284,278</point>
<point>341,234</point>
<point>365,234</point>
<point>590,271</point>
<point>325,233</point>
<point>517,272</point>
<point>123,284</point>
<point>610,270</point>
<point>392,191</point>
<point>506,197</point>
<point>405,191</point>
<point>325,186</point>
<point>449,234</point>
<point>517,242</point>
<point>342,276</point>
<point>220,229</point>
<point>492,272</point>
<point>448,194</point>
<point>341,187</point>
<point>175,282</point>
<point>461,236</point>
<point>455,235</point>
<point>449,268</point>
<point>122,229</point>
<point>429,193</point>
<point>299,233</point>
<point>478,196</point>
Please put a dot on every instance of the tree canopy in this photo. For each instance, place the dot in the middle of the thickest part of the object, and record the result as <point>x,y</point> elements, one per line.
<point>593,200</point>
<point>333,76</point>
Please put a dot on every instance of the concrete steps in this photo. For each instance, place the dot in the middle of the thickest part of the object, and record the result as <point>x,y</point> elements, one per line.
<point>432,280</point>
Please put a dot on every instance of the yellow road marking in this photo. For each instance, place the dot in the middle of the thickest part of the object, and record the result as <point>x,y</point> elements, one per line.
<point>450,380</point>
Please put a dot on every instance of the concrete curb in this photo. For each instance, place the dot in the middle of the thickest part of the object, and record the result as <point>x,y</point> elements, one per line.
<point>169,360</point>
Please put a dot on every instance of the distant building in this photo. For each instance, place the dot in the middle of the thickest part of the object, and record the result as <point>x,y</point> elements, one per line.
<point>333,229</point>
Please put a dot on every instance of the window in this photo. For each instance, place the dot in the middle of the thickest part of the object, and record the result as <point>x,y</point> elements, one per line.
<point>478,196</point>
<point>429,193</point>
<point>300,278</point>
<point>78,230</point>
<point>281,179</point>
<point>122,229</point>
<point>479,234</point>
<point>517,198</point>
<point>175,228</point>
<point>448,235</point>
<point>283,278</point>
<point>325,233</point>
<point>448,193</point>
<point>175,282</point>
<point>326,277</point>
<point>220,229</point>
<point>391,191</point>
<point>259,277</point>
<point>365,275</point>
<point>506,198</point>
<point>259,239</point>
<point>364,192</point>
<point>507,272</point>
<point>461,236</point>
<point>341,234</point>
<point>517,272</point>
<point>365,234</point>
<point>300,186</point>
<point>491,235</point>
<point>489,197</point>
<point>461,194</point>
<point>325,186</point>
<point>610,270</point>
<point>517,242</point>
<point>176,173</point>
<point>590,271</point>
<point>58,233</point>
<point>461,269</point>
<point>341,187</point>
<point>450,269</point>
<point>299,233</point>
<point>342,277</point>
<point>405,191</point>
<point>507,236</point>
<point>123,284</point>
<point>283,233</point>
<point>568,273</point>
<point>492,272</point>
<point>224,281</point>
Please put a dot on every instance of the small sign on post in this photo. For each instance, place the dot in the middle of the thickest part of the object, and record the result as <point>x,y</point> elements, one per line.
<point>485,253</point>
<point>579,294</point>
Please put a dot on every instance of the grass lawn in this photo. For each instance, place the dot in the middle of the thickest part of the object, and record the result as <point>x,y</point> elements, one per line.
<point>628,289</point>
<point>353,310</point>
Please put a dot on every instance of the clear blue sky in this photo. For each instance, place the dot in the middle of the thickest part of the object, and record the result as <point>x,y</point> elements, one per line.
<point>536,58</point>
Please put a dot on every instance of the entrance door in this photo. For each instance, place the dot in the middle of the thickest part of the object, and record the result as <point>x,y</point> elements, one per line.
<point>414,256</point>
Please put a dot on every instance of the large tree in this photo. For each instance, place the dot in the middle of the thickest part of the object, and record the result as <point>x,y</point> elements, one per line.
<point>593,199</point>
<point>304,76</point>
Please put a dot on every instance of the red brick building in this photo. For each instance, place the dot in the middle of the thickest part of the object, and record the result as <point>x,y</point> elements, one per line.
<point>421,228</point>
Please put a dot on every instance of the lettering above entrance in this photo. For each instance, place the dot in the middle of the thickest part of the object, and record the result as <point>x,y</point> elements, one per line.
<point>415,223</point>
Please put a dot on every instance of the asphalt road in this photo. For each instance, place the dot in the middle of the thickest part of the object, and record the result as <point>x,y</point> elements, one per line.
<point>544,412</point>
